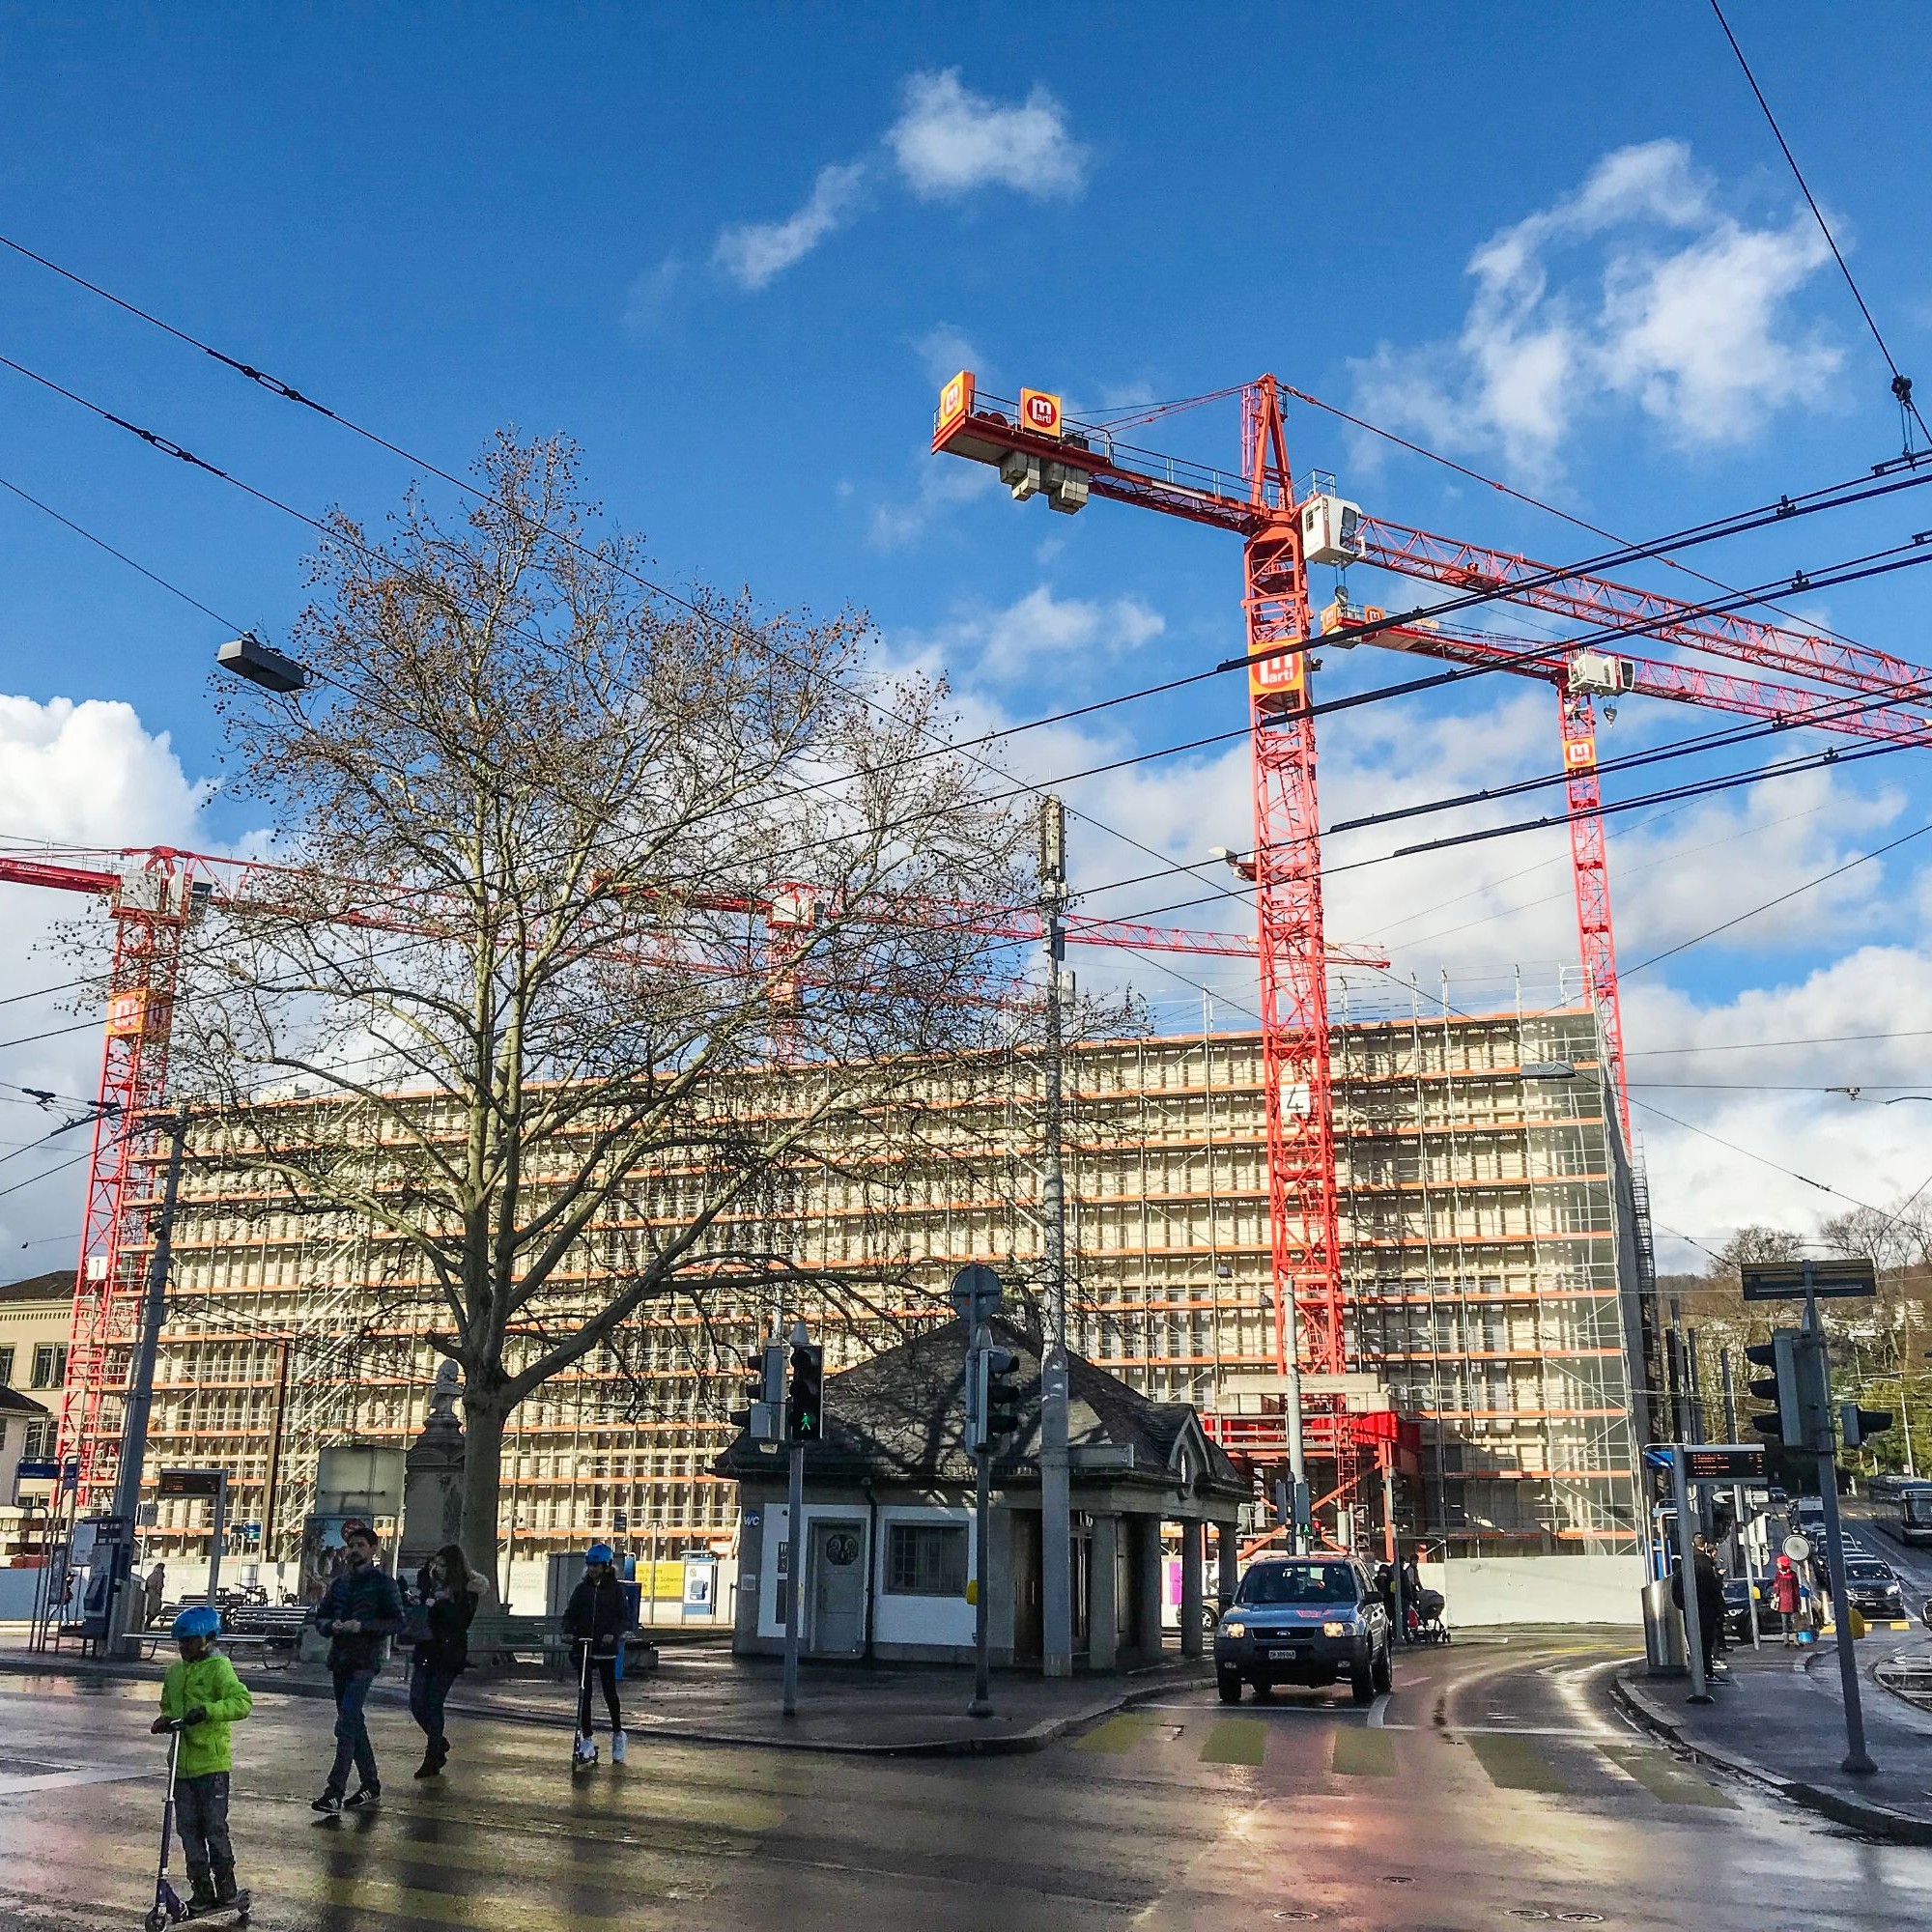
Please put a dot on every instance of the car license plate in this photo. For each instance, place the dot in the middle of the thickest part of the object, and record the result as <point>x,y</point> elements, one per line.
<point>1285,1656</point>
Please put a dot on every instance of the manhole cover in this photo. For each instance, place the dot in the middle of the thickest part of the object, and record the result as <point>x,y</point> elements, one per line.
<point>1580,1918</point>
<point>1296,1917</point>
<point>1396,1877</point>
<point>1529,1912</point>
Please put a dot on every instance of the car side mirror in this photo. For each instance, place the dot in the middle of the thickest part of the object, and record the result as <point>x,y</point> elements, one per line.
<point>1925,1613</point>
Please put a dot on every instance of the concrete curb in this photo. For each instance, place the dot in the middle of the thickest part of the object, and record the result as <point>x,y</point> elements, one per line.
<point>1011,1743</point>
<point>1881,1820</point>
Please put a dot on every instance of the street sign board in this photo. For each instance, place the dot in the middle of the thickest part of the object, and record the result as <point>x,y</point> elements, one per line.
<point>1722,1461</point>
<point>1798,1548</point>
<point>38,1472</point>
<point>191,1482</point>
<point>976,1293</point>
<point>1789,1281</point>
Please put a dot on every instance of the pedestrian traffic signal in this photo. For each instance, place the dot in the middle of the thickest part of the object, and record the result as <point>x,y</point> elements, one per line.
<point>763,1392</point>
<point>1858,1425</point>
<point>804,1417</point>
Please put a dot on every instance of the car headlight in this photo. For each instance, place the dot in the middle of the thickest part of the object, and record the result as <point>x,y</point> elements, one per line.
<point>1234,1629</point>
<point>1333,1628</point>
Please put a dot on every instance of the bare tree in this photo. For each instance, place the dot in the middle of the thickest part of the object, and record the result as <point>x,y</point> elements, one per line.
<point>608,926</point>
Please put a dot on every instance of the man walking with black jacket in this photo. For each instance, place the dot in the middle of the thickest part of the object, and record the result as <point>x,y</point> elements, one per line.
<point>362,1607</point>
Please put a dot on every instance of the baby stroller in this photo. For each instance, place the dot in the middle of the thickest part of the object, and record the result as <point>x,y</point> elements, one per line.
<point>1425,1618</point>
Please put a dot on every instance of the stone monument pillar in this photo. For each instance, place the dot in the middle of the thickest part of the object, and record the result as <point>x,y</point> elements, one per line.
<point>432,1482</point>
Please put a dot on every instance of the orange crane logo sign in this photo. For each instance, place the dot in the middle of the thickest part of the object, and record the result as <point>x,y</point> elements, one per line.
<point>1039,412</point>
<point>1276,680</point>
<point>1579,754</point>
<point>126,1014</point>
<point>955,400</point>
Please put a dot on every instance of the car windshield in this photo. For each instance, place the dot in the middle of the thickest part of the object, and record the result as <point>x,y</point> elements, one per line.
<point>1298,1583</point>
<point>1867,1573</point>
<point>1916,1508</point>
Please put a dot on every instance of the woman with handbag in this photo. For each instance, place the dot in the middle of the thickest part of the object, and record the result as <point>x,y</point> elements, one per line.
<point>446,1593</point>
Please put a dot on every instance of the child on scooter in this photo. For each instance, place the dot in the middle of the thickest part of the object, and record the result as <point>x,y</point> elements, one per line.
<point>202,1697</point>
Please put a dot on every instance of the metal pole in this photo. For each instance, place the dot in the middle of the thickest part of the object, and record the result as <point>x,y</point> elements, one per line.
<point>1904,1361</point>
<point>982,1705</point>
<point>1743,1540</point>
<point>220,1531</point>
<point>1693,1626</point>
<point>1297,1455</point>
<point>274,1475</point>
<point>1857,1758</point>
<point>141,1379</point>
<point>794,1515</point>
<point>1056,1503</point>
<point>1730,1406</point>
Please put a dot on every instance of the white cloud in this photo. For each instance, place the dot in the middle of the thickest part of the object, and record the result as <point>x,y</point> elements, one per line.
<point>753,252</point>
<point>1683,311</point>
<point>943,351</point>
<point>904,519</point>
<point>70,774</point>
<point>650,295</point>
<point>1042,636</point>
<point>949,141</point>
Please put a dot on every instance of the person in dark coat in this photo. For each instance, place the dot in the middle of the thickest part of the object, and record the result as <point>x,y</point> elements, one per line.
<point>1709,1583</point>
<point>447,1591</point>
<point>595,1620</point>
<point>360,1610</point>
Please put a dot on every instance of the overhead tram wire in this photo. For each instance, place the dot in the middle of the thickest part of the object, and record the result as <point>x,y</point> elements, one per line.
<point>1036,787</point>
<point>1901,385</point>
<point>1787,507</point>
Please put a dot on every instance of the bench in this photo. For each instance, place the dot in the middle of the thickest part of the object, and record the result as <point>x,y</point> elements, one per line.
<point>500,1639</point>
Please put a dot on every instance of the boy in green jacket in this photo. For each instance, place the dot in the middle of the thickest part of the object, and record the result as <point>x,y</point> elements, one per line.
<point>202,1697</point>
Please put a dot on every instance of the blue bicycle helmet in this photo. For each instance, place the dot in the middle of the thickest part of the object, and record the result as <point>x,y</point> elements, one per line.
<point>600,1553</point>
<point>197,1620</point>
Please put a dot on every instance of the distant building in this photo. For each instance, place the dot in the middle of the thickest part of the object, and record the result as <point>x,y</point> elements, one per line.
<point>33,1318</point>
<point>1493,1252</point>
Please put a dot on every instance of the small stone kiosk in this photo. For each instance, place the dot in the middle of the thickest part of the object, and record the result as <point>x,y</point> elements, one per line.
<point>887,1538</point>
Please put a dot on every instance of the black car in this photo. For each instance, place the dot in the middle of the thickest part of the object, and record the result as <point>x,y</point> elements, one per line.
<point>1873,1588</point>
<point>1737,1610</point>
<point>1304,1620</point>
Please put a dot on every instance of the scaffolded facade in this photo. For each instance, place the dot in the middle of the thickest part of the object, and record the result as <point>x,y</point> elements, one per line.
<point>1490,1243</point>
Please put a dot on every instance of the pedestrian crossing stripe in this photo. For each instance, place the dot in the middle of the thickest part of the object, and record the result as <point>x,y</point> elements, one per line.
<point>481,1909</point>
<point>1236,1741</point>
<point>1514,1764</point>
<point>1664,1776</point>
<point>1364,1754</point>
<point>1120,1733</point>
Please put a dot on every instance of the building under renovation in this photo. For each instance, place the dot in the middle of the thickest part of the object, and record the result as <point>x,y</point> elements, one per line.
<point>1492,1242</point>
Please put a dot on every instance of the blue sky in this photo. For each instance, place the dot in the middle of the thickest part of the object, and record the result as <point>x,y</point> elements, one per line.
<point>733,251</point>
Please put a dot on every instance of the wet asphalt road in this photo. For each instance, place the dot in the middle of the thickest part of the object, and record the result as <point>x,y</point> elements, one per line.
<point>1493,1789</point>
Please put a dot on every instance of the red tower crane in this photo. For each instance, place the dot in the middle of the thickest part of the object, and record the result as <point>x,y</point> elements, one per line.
<point>152,896</point>
<point>1038,451</point>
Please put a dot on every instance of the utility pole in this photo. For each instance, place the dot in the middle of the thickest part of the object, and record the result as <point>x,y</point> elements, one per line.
<point>141,1382</point>
<point>1818,1420</point>
<point>1056,1517</point>
<point>801,1426</point>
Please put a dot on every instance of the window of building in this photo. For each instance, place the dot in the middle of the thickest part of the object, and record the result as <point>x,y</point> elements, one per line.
<point>926,1559</point>
<point>49,1368</point>
<point>38,1444</point>
<point>6,1368</point>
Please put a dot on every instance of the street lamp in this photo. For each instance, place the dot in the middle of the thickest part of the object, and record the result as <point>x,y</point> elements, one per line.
<point>248,657</point>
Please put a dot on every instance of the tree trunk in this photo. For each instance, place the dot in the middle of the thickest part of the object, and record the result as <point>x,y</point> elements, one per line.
<point>484,1414</point>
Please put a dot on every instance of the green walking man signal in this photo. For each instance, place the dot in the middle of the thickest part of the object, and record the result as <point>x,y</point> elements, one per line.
<point>805,1412</point>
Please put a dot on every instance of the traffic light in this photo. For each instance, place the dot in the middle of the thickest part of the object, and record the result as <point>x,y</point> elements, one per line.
<point>992,1399</point>
<point>1780,1357</point>
<point>805,1415</point>
<point>763,1390</point>
<point>1859,1423</point>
